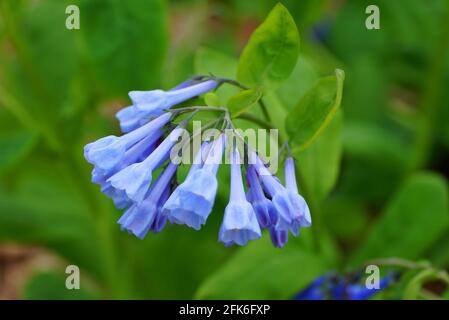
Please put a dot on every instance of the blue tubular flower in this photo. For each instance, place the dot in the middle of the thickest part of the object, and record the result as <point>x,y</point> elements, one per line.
<point>313,291</point>
<point>192,201</point>
<point>136,178</point>
<point>148,104</point>
<point>240,222</point>
<point>106,153</point>
<point>140,217</point>
<point>265,212</point>
<point>297,199</point>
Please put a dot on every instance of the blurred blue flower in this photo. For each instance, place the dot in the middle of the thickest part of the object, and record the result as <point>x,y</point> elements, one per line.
<point>333,286</point>
<point>240,222</point>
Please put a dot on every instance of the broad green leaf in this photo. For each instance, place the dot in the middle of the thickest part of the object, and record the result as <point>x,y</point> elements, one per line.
<point>415,219</point>
<point>272,51</point>
<point>260,271</point>
<point>126,41</point>
<point>14,147</point>
<point>244,101</point>
<point>315,111</point>
<point>320,163</point>
<point>208,61</point>
<point>51,286</point>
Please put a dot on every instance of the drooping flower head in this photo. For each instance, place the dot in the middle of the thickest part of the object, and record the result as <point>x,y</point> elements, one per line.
<point>124,167</point>
<point>265,211</point>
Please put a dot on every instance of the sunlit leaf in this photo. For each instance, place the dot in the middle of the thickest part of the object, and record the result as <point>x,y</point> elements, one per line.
<point>272,51</point>
<point>315,110</point>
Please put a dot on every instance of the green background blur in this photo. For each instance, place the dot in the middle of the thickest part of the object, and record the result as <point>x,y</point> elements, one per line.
<point>377,182</point>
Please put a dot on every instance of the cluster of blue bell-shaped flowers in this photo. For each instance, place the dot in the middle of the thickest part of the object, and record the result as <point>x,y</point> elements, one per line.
<point>124,167</point>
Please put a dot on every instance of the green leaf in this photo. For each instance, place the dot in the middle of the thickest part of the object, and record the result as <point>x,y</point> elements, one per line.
<point>126,41</point>
<point>14,147</point>
<point>244,101</point>
<point>272,51</point>
<point>260,271</point>
<point>414,220</point>
<point>315,111</point>
<point>51,286</point>
<point>208,61</point>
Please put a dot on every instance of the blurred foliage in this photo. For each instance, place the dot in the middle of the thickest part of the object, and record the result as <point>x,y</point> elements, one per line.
<point>375,175</point>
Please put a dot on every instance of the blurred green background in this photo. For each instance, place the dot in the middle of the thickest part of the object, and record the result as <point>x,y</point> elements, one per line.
<point>376,178</point>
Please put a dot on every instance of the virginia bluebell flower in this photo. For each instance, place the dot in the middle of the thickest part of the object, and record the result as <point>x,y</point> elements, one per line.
<point>192,201</point>
<point>296,198</point>
<point>149,104</point>
<point>239,222</point>
<point>140,217</point>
